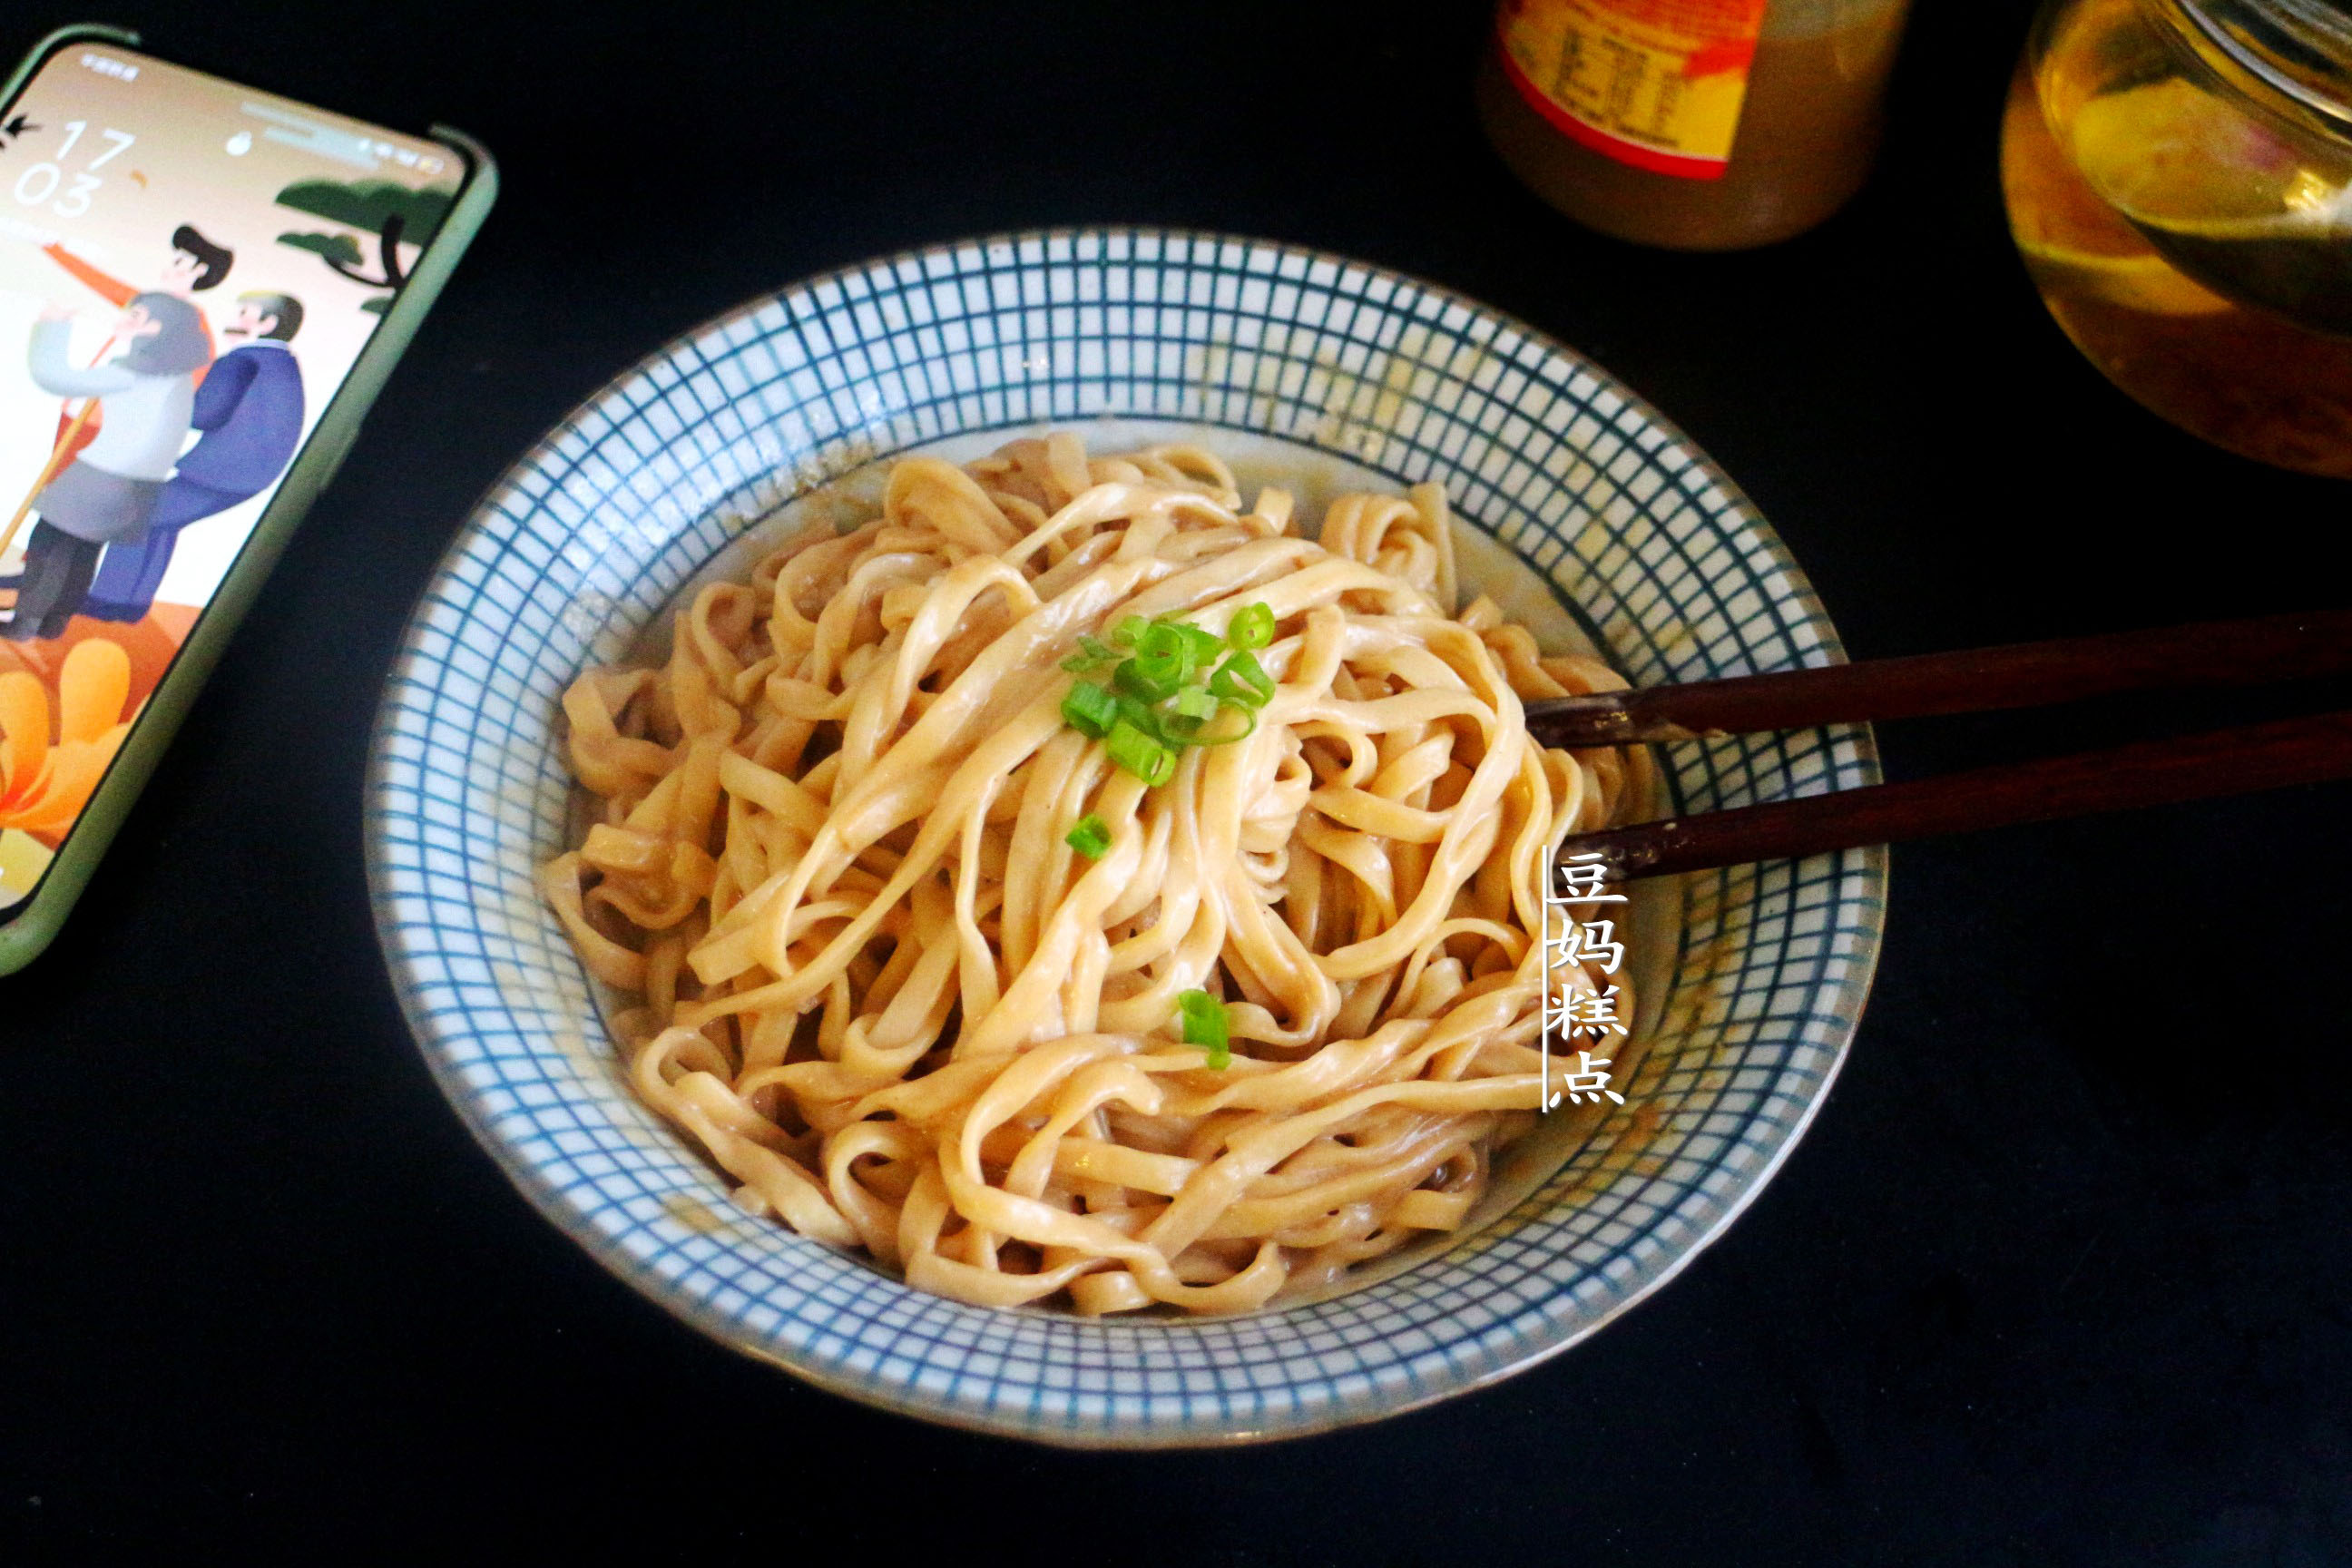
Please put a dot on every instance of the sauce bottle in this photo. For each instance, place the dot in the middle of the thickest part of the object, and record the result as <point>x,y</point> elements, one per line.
<point>1692,124</point>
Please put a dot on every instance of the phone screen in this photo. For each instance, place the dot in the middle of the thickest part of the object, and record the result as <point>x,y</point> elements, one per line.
<point>188,269</point>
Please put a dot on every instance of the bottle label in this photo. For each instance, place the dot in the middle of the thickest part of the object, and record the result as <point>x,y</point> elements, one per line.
<point>1657,84</point>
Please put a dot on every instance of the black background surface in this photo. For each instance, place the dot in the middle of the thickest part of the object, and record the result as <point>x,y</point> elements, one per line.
<point>2063,1274</point>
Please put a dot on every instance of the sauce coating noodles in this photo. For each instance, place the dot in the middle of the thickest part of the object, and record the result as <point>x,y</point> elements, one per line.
<point>879,989</point>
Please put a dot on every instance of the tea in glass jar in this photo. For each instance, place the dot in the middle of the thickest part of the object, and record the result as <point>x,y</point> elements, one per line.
<point>2178,179</point>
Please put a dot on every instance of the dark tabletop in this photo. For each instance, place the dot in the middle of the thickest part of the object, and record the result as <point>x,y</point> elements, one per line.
<point>2062,1274</point>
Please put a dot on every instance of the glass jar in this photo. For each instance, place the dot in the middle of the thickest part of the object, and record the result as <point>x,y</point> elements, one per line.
<point>2178,179</point>
<point>1691,124</point>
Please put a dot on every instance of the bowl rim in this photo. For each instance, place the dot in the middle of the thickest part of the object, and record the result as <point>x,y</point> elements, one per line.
<point>536,1186</point>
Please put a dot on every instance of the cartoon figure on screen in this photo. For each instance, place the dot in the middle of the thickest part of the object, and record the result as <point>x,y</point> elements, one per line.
<point>195,264</point>
<point>110,490</point>
<point>249,409</point>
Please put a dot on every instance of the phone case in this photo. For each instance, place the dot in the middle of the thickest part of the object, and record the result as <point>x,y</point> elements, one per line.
<point>28,930</point>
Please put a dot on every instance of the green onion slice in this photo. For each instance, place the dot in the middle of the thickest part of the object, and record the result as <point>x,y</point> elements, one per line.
<point>1203,645</point>
<point>1160,639</point>
<point>1226,735</point>
<point>1139,713</point>
<point>1089,837</point>
<point>1129,630</point>
<point>1189,714</point>
<point>1252,627</point>
<point>1242,680</point>
<point>1091,655</point>
<point>1180,650</point>
<point>1204,1024</point>
<point>1140,754</point>
<point>1090,710</point>
<point>1152,676</point>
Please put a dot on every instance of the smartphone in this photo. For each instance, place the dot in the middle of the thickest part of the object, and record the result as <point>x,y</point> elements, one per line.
<point>202,287</point>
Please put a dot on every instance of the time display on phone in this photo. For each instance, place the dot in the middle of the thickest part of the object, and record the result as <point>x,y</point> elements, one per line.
<point>39,181</point>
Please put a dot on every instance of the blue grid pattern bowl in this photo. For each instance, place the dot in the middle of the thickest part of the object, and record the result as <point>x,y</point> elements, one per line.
<point>1762,970</point>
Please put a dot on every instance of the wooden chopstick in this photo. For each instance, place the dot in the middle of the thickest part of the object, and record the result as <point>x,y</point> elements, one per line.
<point>2150,772</point>
<point>2019,675</point>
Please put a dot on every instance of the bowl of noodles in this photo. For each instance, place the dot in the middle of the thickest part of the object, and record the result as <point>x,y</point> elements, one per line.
<point>968,828</point>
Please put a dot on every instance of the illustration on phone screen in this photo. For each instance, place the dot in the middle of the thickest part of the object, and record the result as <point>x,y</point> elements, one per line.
<point>188,270</point>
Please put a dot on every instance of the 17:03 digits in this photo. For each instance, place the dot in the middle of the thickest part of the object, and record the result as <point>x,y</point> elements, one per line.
<point>39,181</point>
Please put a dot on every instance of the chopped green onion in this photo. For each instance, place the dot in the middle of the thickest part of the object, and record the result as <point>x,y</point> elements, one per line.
<point>1190,729</point>
<point>1163,692</point>
<point>1203,645</point>
<point>1205,1025</point>
<point>1249,727</point>
<point>1139,713</point>
<point>1244,680</point>
<point>1189,714</point>
<point>1179,650</point>
<point>1089,837</point>
<point>1252,627</point>
<point>1151,677</point>
<point>1090,710</point>
<point>1140,754</point>
<point>1091,655</point>
<point>1159,638</point>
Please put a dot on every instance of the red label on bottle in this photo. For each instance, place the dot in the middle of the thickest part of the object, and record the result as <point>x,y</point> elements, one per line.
<point>1656,84</point>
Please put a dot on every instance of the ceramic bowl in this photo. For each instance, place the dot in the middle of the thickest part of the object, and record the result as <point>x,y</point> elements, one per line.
<point>1308,367</point>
